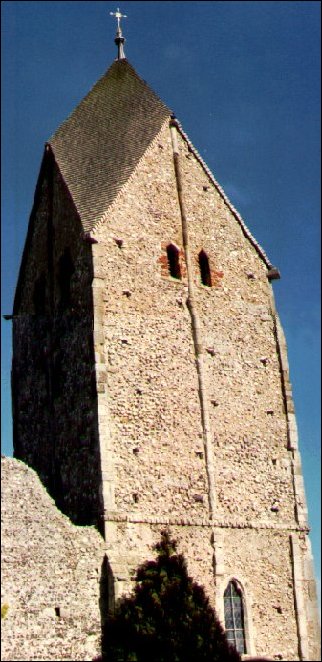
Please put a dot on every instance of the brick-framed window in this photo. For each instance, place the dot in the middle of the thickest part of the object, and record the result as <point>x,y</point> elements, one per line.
<point>234,617</point>
<point>173,255</point>
<point>205,273</point>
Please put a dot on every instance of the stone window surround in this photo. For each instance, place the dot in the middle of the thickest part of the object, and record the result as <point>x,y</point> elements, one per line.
<point>246,601</point>
<point>204,267</point>
<point>233,600</point>
<point>173,256</point>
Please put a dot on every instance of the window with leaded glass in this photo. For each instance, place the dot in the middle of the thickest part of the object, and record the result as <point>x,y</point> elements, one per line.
<point>234,617</point>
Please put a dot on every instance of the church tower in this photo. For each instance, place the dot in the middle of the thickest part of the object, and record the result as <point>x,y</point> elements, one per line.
<point>150,377</point>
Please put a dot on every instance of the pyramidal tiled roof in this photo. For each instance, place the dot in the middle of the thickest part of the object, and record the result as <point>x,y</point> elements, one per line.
<point>100,143</point>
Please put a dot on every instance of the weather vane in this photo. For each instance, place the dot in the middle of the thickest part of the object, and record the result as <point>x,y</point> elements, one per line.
<point>118,16</point>
<point>119,39</point>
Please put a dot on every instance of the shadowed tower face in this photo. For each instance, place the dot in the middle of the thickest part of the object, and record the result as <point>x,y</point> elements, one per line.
<point>54,389</point>
<point>150,377</point>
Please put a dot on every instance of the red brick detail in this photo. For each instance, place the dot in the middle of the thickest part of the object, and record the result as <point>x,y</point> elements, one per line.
<point>216,277</point>
<point>183,266</point>
<point>163,261</point>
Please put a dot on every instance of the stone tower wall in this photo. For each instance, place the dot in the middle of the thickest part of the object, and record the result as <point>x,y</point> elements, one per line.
<point>163,401</point>
<point>152,386</point>
<point>152,382</point>
<point>53,374</point>
<point>155,423</point>
<point>30,341</point>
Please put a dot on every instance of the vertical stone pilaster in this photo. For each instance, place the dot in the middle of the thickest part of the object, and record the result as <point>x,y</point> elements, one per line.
<point>100,369</point>
<point>312,610</point>
<point>301,511</point>
<point>299,490</point>
<point>299,598</point>
<point>286,385</point>
<point>196,330</point>
<point>219,573</point>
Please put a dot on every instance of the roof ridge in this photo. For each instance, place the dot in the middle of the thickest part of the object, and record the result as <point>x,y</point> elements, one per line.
<point>117,63</point>
<point>234,211</point>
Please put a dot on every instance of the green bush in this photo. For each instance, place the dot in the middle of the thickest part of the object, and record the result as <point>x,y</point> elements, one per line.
<point>168,618</point>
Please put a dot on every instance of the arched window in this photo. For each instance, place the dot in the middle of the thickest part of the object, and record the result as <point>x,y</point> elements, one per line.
<point>234,617</point>
<point>65,272</point>
<point>173,261</point>
<point>204,269</point>
<point>39,296</point>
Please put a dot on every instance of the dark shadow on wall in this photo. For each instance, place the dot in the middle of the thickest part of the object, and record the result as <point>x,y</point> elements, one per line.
<point>167,618</point>
<point>55,404</point>
<point>106,599</point>
<point>107,592</point>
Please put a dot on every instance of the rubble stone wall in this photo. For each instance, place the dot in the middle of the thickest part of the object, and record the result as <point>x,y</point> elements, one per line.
<point>50,574</point>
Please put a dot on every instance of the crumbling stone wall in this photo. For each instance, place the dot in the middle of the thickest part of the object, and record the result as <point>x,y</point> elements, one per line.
<point>50,574</point>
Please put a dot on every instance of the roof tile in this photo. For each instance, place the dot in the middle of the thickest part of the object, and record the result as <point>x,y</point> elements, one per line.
<point>100,143</point>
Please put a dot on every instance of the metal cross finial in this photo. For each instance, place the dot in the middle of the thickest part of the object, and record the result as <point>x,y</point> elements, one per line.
<point>119,39</point>
<point>118,16</point>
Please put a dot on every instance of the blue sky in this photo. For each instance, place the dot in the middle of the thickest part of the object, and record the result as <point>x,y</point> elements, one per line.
<point>244,80</point>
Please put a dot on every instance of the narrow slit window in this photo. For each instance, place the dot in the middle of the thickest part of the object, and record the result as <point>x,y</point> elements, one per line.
<point>173,261</point>
<point>234,617</point>
<point>205,274</point>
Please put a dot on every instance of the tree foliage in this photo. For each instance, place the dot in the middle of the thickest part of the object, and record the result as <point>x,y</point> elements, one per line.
<point>168,618</point>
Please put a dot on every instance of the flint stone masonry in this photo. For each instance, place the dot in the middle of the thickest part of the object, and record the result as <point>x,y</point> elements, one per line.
<point>155,406</point>
<point>152,400</point>
<point>55,422</point>
<point>165,423</point>
<point>49,567</point>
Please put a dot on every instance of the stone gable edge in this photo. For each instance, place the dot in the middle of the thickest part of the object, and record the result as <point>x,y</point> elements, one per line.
<point>91,234</point>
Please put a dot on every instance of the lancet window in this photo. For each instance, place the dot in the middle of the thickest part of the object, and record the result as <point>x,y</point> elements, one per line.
<point>205,274</point>
<point>234,617</point>
<point>173,261</point>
